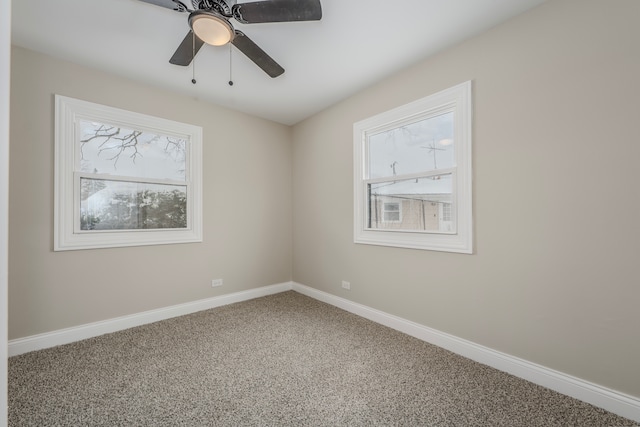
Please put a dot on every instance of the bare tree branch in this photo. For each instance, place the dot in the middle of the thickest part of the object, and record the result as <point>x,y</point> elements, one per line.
<point>129,143</point>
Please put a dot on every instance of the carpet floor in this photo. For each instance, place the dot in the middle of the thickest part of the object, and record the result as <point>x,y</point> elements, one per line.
<point>280,360</point>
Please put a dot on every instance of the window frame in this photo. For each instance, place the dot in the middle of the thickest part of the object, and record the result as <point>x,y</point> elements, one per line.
<point>457,99</point>
<point>67,176</point>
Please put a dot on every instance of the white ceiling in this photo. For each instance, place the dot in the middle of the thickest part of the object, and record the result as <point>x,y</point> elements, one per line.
<point>357,43</point>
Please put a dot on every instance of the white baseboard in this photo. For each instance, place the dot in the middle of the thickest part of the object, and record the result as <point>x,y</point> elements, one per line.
<point>602,397</point>
<point>611,400</point>
<point>89,330</point>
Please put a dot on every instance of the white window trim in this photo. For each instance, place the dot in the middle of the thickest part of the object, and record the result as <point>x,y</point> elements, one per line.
<point>457,99</point>
<point>67,112</point>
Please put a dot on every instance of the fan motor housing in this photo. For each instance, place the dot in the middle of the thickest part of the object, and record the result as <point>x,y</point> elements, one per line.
<point>223,7</point>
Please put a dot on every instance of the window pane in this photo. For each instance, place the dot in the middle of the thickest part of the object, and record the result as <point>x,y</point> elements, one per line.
<point>113,150</point>
<point>120,205</point>
<point>421,146</point>
<point>422,204</point>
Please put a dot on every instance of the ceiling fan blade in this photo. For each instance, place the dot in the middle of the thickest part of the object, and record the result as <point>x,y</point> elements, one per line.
<point>278,11</point>
<point>187,50</point>
<point>169,4</point>
<point>257,55</point>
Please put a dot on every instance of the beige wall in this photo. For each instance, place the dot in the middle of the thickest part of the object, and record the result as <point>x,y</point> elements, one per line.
<point>247,207</point>
<point>5,85</point>
<point>554,277</point>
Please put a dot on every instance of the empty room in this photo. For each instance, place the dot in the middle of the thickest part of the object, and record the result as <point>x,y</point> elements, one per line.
<point>320,212</point>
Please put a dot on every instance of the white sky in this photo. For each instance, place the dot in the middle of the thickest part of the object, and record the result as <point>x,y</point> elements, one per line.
<point>152,160</point>
<point>425,145</point>
<point>417,147</point>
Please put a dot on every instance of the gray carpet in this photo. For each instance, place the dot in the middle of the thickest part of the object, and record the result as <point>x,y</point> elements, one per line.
<point>281,360</point>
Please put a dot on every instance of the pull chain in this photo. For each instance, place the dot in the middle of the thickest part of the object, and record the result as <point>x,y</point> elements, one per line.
<point>193,51</point>
<point>230,68</point>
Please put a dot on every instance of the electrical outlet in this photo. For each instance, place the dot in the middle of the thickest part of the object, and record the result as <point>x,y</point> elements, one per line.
<point>216,282</point>
<point>346,285</point>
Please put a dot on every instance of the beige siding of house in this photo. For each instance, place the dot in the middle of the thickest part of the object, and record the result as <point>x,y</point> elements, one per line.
<point>421,212</point>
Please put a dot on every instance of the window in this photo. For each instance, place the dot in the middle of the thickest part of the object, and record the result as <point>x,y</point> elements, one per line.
<point>124,179</point>
<point>391,212</point>
<point>412,184</point>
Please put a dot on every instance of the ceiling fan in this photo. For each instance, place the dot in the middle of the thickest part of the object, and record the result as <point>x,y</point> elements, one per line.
<point>209,23</point>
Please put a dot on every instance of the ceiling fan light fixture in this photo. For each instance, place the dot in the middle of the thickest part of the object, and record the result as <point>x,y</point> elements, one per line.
<point>211,27</point>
